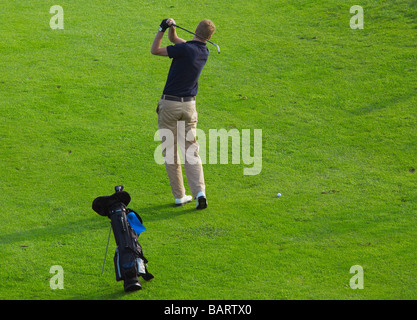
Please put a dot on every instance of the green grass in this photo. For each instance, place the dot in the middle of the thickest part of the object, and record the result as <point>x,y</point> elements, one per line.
<point>337,109</point>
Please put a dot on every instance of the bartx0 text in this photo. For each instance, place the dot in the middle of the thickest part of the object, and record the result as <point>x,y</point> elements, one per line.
<point>229,309</point>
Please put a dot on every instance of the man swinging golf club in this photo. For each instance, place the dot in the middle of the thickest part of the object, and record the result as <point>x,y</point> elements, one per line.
<point>177,106</point>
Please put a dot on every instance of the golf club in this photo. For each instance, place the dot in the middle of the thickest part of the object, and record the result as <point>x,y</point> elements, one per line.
<point>218,48</point>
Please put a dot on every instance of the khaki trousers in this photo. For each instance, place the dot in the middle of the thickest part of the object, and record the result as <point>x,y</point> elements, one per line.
<point>181,119</point>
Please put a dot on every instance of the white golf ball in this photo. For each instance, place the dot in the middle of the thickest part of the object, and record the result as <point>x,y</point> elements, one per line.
<point>278,194</point>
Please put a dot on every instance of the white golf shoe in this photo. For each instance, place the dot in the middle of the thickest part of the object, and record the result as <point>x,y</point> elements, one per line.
<point>183,200</point>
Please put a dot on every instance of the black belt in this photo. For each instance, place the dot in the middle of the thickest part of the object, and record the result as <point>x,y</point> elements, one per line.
<point>175,98</point>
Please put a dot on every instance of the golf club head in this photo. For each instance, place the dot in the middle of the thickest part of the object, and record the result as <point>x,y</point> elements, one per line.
<point>216,45</point>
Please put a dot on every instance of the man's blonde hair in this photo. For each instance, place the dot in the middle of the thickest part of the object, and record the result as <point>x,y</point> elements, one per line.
<point>205,29</point>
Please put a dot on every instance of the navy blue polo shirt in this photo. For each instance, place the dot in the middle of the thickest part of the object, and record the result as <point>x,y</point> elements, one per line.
<point>188,61</point>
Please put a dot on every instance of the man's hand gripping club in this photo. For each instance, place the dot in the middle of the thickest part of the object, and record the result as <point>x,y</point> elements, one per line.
<point>172,36</point>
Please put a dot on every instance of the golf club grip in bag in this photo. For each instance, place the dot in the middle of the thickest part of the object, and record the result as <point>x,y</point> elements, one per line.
<point>129,261</point>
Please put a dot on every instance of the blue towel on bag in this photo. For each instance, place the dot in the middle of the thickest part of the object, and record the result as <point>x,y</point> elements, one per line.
<point>135,223</point>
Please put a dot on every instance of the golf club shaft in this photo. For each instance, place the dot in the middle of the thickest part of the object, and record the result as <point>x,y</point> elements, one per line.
<point>197,36</point>
<point>105,255</point>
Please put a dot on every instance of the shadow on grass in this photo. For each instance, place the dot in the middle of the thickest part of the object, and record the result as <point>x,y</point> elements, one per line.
<point>164,212</point>
<point>116,295</point>
<point>52,229</point>
<point>148,214</point>
<point>116,292</point>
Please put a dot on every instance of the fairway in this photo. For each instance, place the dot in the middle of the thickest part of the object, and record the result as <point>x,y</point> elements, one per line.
<point>336,107</point>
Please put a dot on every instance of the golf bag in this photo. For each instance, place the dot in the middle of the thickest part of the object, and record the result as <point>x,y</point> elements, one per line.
<point>129,261</point>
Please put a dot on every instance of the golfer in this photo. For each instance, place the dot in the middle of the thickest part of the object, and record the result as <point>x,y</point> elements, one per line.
<point>177,107</point>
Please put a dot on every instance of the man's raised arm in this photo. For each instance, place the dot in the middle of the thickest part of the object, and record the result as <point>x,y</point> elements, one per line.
<point>156,45</point>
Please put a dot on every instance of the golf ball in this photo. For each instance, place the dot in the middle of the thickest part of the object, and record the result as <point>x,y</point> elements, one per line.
<point>278,194</point>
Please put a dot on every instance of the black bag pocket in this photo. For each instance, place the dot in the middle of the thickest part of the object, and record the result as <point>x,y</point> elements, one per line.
<point>125,264</point>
